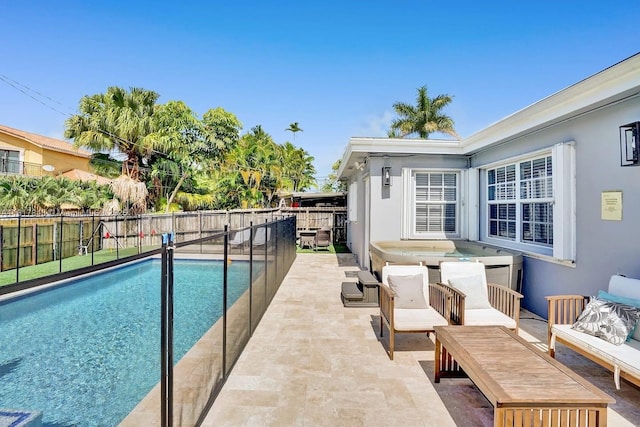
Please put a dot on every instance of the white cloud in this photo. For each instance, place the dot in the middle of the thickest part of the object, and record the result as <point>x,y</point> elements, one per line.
<point>377,125</point>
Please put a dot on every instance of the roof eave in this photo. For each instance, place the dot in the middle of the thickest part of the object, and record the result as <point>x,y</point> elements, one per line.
<point>611,85</point>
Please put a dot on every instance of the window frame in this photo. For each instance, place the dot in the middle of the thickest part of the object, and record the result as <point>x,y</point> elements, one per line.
<point>411,203</point>
<point>562,202</point>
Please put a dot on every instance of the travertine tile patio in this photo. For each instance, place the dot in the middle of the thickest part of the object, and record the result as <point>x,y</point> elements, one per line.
<point>313,362</point>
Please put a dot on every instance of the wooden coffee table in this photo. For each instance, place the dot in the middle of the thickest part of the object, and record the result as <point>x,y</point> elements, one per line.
<point>525,386</point>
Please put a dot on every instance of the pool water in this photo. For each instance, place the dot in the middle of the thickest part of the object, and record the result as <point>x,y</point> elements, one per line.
<point>87,352</point>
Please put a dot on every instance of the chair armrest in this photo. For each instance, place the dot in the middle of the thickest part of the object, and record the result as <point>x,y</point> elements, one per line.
<point>565,309</point>
<point>506,300</point>
<point>440,299</point>
<point>457,304</point>
<point>387,297</point>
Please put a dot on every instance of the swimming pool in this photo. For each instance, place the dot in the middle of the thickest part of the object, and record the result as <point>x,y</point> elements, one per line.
<point>87,352</point>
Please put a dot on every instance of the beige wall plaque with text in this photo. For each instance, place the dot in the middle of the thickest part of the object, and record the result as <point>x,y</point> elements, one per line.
<point>611,205</point>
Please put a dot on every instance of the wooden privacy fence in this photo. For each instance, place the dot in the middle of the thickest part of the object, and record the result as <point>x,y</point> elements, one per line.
<point>312,218</point>
<point>30,240</point>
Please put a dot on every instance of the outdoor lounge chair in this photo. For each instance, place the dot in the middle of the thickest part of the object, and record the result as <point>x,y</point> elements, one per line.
<point>323,238</point>
<point>241,237</point>
<point>409,303</point>
<point>261,236</point>
<point>476,302</point>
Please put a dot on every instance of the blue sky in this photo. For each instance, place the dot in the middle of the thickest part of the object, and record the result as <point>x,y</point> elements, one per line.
<point>336,67</point>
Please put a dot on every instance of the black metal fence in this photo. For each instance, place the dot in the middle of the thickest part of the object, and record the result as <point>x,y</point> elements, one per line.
<point>39,249</point>
<point>255,260</point>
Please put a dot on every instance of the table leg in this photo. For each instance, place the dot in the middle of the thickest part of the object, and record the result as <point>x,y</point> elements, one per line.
<point>436,364</point>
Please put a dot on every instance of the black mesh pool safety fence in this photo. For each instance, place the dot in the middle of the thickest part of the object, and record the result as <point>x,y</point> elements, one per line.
<point>247,268</point>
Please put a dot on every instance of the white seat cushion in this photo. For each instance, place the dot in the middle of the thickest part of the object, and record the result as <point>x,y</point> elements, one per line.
<point>488,316</point>
<point>413,319</point>
<point>627,355</point>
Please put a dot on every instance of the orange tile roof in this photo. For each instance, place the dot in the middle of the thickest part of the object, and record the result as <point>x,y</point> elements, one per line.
<point>46,142</point>
<point>80,175</point>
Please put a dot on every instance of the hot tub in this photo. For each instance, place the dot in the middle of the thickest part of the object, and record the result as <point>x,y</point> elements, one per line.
<point>502,266</point>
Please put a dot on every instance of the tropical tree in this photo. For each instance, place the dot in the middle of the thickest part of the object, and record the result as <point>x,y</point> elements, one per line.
<point>184,145</point>
<point>116,120</point>
<point>105,165</point>
<point>14,194</point>
<point>294,128</point>
<point>35,195</point>
<point>425,118</point>
<point>298,169</point>
<point>332,184</point>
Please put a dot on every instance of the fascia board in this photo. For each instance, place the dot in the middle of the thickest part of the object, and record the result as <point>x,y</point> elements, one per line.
<point>615,83</point>
<point>359,147</point>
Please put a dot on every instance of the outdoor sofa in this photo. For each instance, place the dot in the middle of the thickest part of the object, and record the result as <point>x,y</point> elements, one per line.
<point>575,320</point>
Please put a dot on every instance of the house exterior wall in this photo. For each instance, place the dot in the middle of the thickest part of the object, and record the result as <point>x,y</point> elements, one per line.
<point>64,161</point>
<point>603,248</point>
<point>386,203</point>
<point>36,156</point>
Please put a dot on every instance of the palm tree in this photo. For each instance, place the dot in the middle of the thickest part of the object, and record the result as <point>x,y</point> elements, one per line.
<point>297,167</point>
<point>116,120</point>
<point>14,193</point>
<point>294,128</point>
<point>424,118</point>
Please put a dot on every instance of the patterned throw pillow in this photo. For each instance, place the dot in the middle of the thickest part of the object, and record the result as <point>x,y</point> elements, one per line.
<point>607,320</point>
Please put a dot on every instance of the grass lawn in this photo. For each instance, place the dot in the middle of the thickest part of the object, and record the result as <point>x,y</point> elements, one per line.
<point>53,267</point>
<point>73,263</point>
<point>332,249</point>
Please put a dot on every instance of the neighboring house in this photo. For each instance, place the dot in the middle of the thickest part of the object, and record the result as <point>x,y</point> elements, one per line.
<point>25,153</point>
<point>546,181</point>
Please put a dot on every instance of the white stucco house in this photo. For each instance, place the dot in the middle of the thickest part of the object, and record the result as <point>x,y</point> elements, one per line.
<point>546,181</point>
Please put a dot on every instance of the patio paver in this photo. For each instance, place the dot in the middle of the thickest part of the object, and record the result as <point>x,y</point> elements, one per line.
<point>313,362</point>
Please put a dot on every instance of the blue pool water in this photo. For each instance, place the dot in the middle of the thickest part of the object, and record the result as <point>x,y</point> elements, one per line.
<point>86,353</point>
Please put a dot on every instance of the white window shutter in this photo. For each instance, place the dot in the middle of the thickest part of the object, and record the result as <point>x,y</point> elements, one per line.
<point>564,206</point>
<point>472,202</point>
<point>353,202</point>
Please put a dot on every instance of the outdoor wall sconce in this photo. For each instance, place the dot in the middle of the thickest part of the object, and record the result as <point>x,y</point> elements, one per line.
<point>630,144</point>
<point>386,176</point>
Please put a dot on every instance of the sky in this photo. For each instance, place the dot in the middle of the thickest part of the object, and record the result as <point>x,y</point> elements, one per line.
<point>335,67</point>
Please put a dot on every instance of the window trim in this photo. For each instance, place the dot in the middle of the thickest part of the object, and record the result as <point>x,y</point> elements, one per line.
<point>563,160</point>
<point>408,204</point>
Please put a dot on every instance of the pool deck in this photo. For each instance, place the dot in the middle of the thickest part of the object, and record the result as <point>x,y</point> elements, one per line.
<point>313,362</point>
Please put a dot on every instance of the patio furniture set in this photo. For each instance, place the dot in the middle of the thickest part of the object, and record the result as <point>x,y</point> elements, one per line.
<point>484,343</point>
<point>315,239</point>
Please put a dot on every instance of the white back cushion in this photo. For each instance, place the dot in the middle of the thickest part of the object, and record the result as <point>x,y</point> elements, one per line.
<point>624,286</point>
<point>408,270</point>
<point>453,270</point>
<point>477,295</point>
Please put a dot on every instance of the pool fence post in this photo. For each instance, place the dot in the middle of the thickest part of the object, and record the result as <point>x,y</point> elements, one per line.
<point>225,265</point>
<point>166,331</point>
<point>170,252</point>
<point>60,242</point>
<point>93,229</point>
<point>250,276</point>
<point>266,275</point>
<point>18,251</point>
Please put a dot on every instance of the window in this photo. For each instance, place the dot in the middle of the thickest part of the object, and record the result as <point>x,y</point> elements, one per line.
<point>520,197</point>
<point>9,161</point>
<point>435,204</point>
